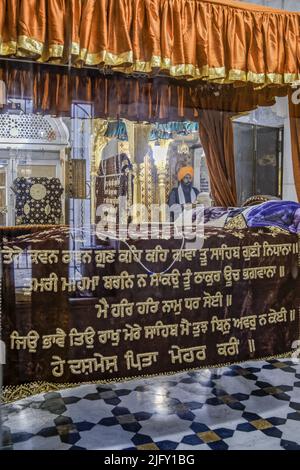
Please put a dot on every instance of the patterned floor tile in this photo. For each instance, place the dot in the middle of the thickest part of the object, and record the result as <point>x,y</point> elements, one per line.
<point>170,428</point>
<point>42,443</point>
<point>88,410</point>
<point>267,405</point>
<point>102,437</point>
<point>252,441</point>
<point>192,448</point>
<point>191,391</point>
<point>255,405</point>
<point>289,445</point>
<point>276,376</point>
<point>30,419</point>
<point>290,430</point>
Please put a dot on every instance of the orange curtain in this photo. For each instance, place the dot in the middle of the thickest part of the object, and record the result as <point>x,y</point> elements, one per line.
<point>35,28</point>
<point>211,39</point>
<point>216,107</point>
<point>53,89</point>
<point>294,108</point>
<point>216,135</point>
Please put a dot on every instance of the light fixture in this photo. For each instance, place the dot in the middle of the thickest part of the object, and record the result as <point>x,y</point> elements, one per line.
<point>183,148</point>
<point>160,151</point>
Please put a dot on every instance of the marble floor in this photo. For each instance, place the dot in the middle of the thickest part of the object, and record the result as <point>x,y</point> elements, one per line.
<point>250,406</point>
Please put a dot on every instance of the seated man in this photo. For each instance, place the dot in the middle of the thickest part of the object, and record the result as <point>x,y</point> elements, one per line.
<point>185,193</point>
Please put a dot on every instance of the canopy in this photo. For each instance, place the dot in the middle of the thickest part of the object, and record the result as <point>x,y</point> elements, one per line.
<point>210,39</point>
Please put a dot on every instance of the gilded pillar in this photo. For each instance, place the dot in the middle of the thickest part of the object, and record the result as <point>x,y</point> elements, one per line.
<point>99,142</point>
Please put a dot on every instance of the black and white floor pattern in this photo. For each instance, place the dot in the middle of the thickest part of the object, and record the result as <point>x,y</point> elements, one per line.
<point>250,406</point>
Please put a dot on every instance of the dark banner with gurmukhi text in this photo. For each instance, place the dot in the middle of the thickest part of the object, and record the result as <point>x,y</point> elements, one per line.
<point>106,313</point>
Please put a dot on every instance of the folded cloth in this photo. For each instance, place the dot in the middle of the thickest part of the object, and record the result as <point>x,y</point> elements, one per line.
<point>282,214</point>
<point>214,213</point>
<point>297,220</point>
<point>275,213</point>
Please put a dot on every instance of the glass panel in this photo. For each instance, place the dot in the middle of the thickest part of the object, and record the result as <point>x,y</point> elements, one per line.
<point>267,161</point>
<point>48,171</point>
<point>244,155</point>
<point>66,159</point>
<point>2,198</point>
<point>2,178</point>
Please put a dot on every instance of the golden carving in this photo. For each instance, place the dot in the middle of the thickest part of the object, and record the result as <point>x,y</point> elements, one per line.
<point>146,185</point>
<point>236,222</point>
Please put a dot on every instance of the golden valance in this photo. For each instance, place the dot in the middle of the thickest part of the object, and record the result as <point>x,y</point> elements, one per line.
<point>210,39</point>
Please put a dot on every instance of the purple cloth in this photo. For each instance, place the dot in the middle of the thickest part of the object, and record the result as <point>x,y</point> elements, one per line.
<point>213,213</point>
<point>283,214</point>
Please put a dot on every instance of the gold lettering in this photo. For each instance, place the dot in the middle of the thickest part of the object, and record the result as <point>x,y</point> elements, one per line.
<point>102,257</point>
<point>229,349</point>
<point>211,301</point>
<point>187,355</point>
<point>251,251</point>
<point>199,328</point>
<point>174,306</point>
<point>192,303</point>
<point>187,279</point>
<point>248,322</point>
<point>124,308</point>
<point>58,338</point>
<point>223,325</point>
<point>58,366</point>
<point>141,360</point>
<point>24,342</point>
<point>112,335</point>
<point>82,338</point>
<point>9,254</point>
<point>231,275</point>
<point>121,282</point>
<point>132,332</point>
<point>102,308</point>
<point>143,308</point>
<point>156,255</point>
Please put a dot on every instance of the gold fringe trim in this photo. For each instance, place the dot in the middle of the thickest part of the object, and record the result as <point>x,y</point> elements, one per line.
<point>13,393</point>
<point>18,228</point>
<point>28,47</point>
<point>31,45</point>
<point>107,58</point>
<point>8,48</point>
<point>125,63</point>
